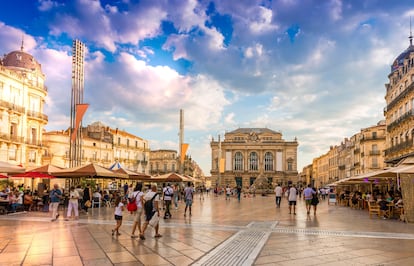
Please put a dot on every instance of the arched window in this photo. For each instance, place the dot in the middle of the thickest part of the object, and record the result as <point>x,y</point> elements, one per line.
<point>268,161</point>
<point>253,161</point>
<point>238,161</point>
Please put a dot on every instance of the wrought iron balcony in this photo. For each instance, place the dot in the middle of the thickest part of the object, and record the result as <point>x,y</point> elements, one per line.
<point>401,146</point>
<point>37,115</point>
<point>400,120</point>
<point>400,97</point>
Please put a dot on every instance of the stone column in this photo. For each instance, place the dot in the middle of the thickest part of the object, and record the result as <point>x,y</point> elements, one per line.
<point>407,189</point>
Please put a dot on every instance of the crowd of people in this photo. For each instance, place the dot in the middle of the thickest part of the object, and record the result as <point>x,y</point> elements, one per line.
<point>387,200</point>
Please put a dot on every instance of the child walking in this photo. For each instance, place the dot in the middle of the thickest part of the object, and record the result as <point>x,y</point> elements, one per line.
<point>119,208</point>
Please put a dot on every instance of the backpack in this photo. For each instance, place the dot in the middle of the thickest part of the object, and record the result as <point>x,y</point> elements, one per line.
<point>132,206</point>
<point>149,206</point>
<point>168,192</point>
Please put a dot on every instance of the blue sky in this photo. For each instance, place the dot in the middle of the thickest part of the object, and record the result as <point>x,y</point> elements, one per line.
<point>311,69</point>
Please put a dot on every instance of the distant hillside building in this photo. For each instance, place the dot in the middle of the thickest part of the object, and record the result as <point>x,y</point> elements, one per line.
<point>248,153</point>
<point>22,99</point>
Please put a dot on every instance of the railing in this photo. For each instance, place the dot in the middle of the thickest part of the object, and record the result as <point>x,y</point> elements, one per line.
<point>374,152</point>
<point>403,145</point>
<point>35,142</point>
<point>401,96</point>
<point>11,138</point>
<point>12,106</point>
<point>367,138</point>
<point>37,115</point>
<point>402,118</point>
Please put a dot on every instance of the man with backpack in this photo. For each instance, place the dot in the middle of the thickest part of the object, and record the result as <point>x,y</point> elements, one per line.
<point>168,193</point>
<point>151,208</point>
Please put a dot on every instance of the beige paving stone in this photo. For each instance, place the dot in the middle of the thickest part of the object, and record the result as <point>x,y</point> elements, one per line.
<point>180,260</point>
<point>263,260</point>
<point>12,257</point>
<point>152,259</point>
<point>118,257</point>
<point>70,260</point>
<point>16,248</point>
<point>192,253</point>
<point>36,250</point>
<point>98,262</point>
<point>168,252</point>
<point>89,254</point>
<point>40,259</point>
<point>65,252</point>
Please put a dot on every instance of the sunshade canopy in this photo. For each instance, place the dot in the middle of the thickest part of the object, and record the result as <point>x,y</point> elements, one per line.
<point>133,175</point>
<point>91,170</point>
<point>32,174</point>
<point>171,177</point>
<point>47,169</point>
<point>9,168</point>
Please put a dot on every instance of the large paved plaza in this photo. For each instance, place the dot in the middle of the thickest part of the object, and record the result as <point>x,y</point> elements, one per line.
<point>220,232</point>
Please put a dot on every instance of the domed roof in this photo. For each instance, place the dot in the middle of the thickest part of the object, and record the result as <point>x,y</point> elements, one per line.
<point>20,59</point>
<point>399,61</point>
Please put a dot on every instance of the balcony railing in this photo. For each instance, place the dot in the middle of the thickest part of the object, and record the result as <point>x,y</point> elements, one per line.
<point>37,115</point>
<point>35,142</point>
<point>368,138</point>
<point>403,145</point>
<point>374,152</point>
<point>401,119</point>
<point>12,106</point>
<point>401,96</point>
<point>11,138</point>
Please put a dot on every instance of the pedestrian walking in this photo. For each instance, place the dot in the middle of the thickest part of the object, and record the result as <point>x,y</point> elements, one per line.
<point>151,207</point>
<point>228,192</point>
<point>188,196</point>
<point>138,195</point>
<point>278,194</point>
<point>87,197</point>
<point>293,194</point>
<point>239,191</point>
<point>119,208</point>
<point>201,190</point>
<point>168,193</point>
<point>55,196</point>
<point>315,202</point>
<point>176,195</point>
<point>73,204</point>
<point>308,193</point>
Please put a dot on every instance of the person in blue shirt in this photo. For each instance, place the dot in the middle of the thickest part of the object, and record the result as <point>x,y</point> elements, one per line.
<point>55,196</point>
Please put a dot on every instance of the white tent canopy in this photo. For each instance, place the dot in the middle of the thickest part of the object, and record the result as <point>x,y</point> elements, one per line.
<point>9,168</point>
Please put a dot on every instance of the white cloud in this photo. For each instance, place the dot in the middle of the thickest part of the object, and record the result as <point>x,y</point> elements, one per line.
<point>45,5</point>
<point>262,20</point>
<point>336,9</point>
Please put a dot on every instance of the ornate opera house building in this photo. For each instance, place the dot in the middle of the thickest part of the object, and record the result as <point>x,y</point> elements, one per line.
<point>248,153</point>
<point>22,99</point>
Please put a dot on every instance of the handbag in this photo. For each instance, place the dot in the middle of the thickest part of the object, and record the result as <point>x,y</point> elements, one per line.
<point>132,206</point>
<point>154,220</point>
<point>88,203</point>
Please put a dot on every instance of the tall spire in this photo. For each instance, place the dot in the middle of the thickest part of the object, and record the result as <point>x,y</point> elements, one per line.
<point>411,35</point>
<point>21,47</point>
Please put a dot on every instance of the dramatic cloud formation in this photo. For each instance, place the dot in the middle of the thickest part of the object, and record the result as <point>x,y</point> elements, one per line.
<point>314,70</point>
